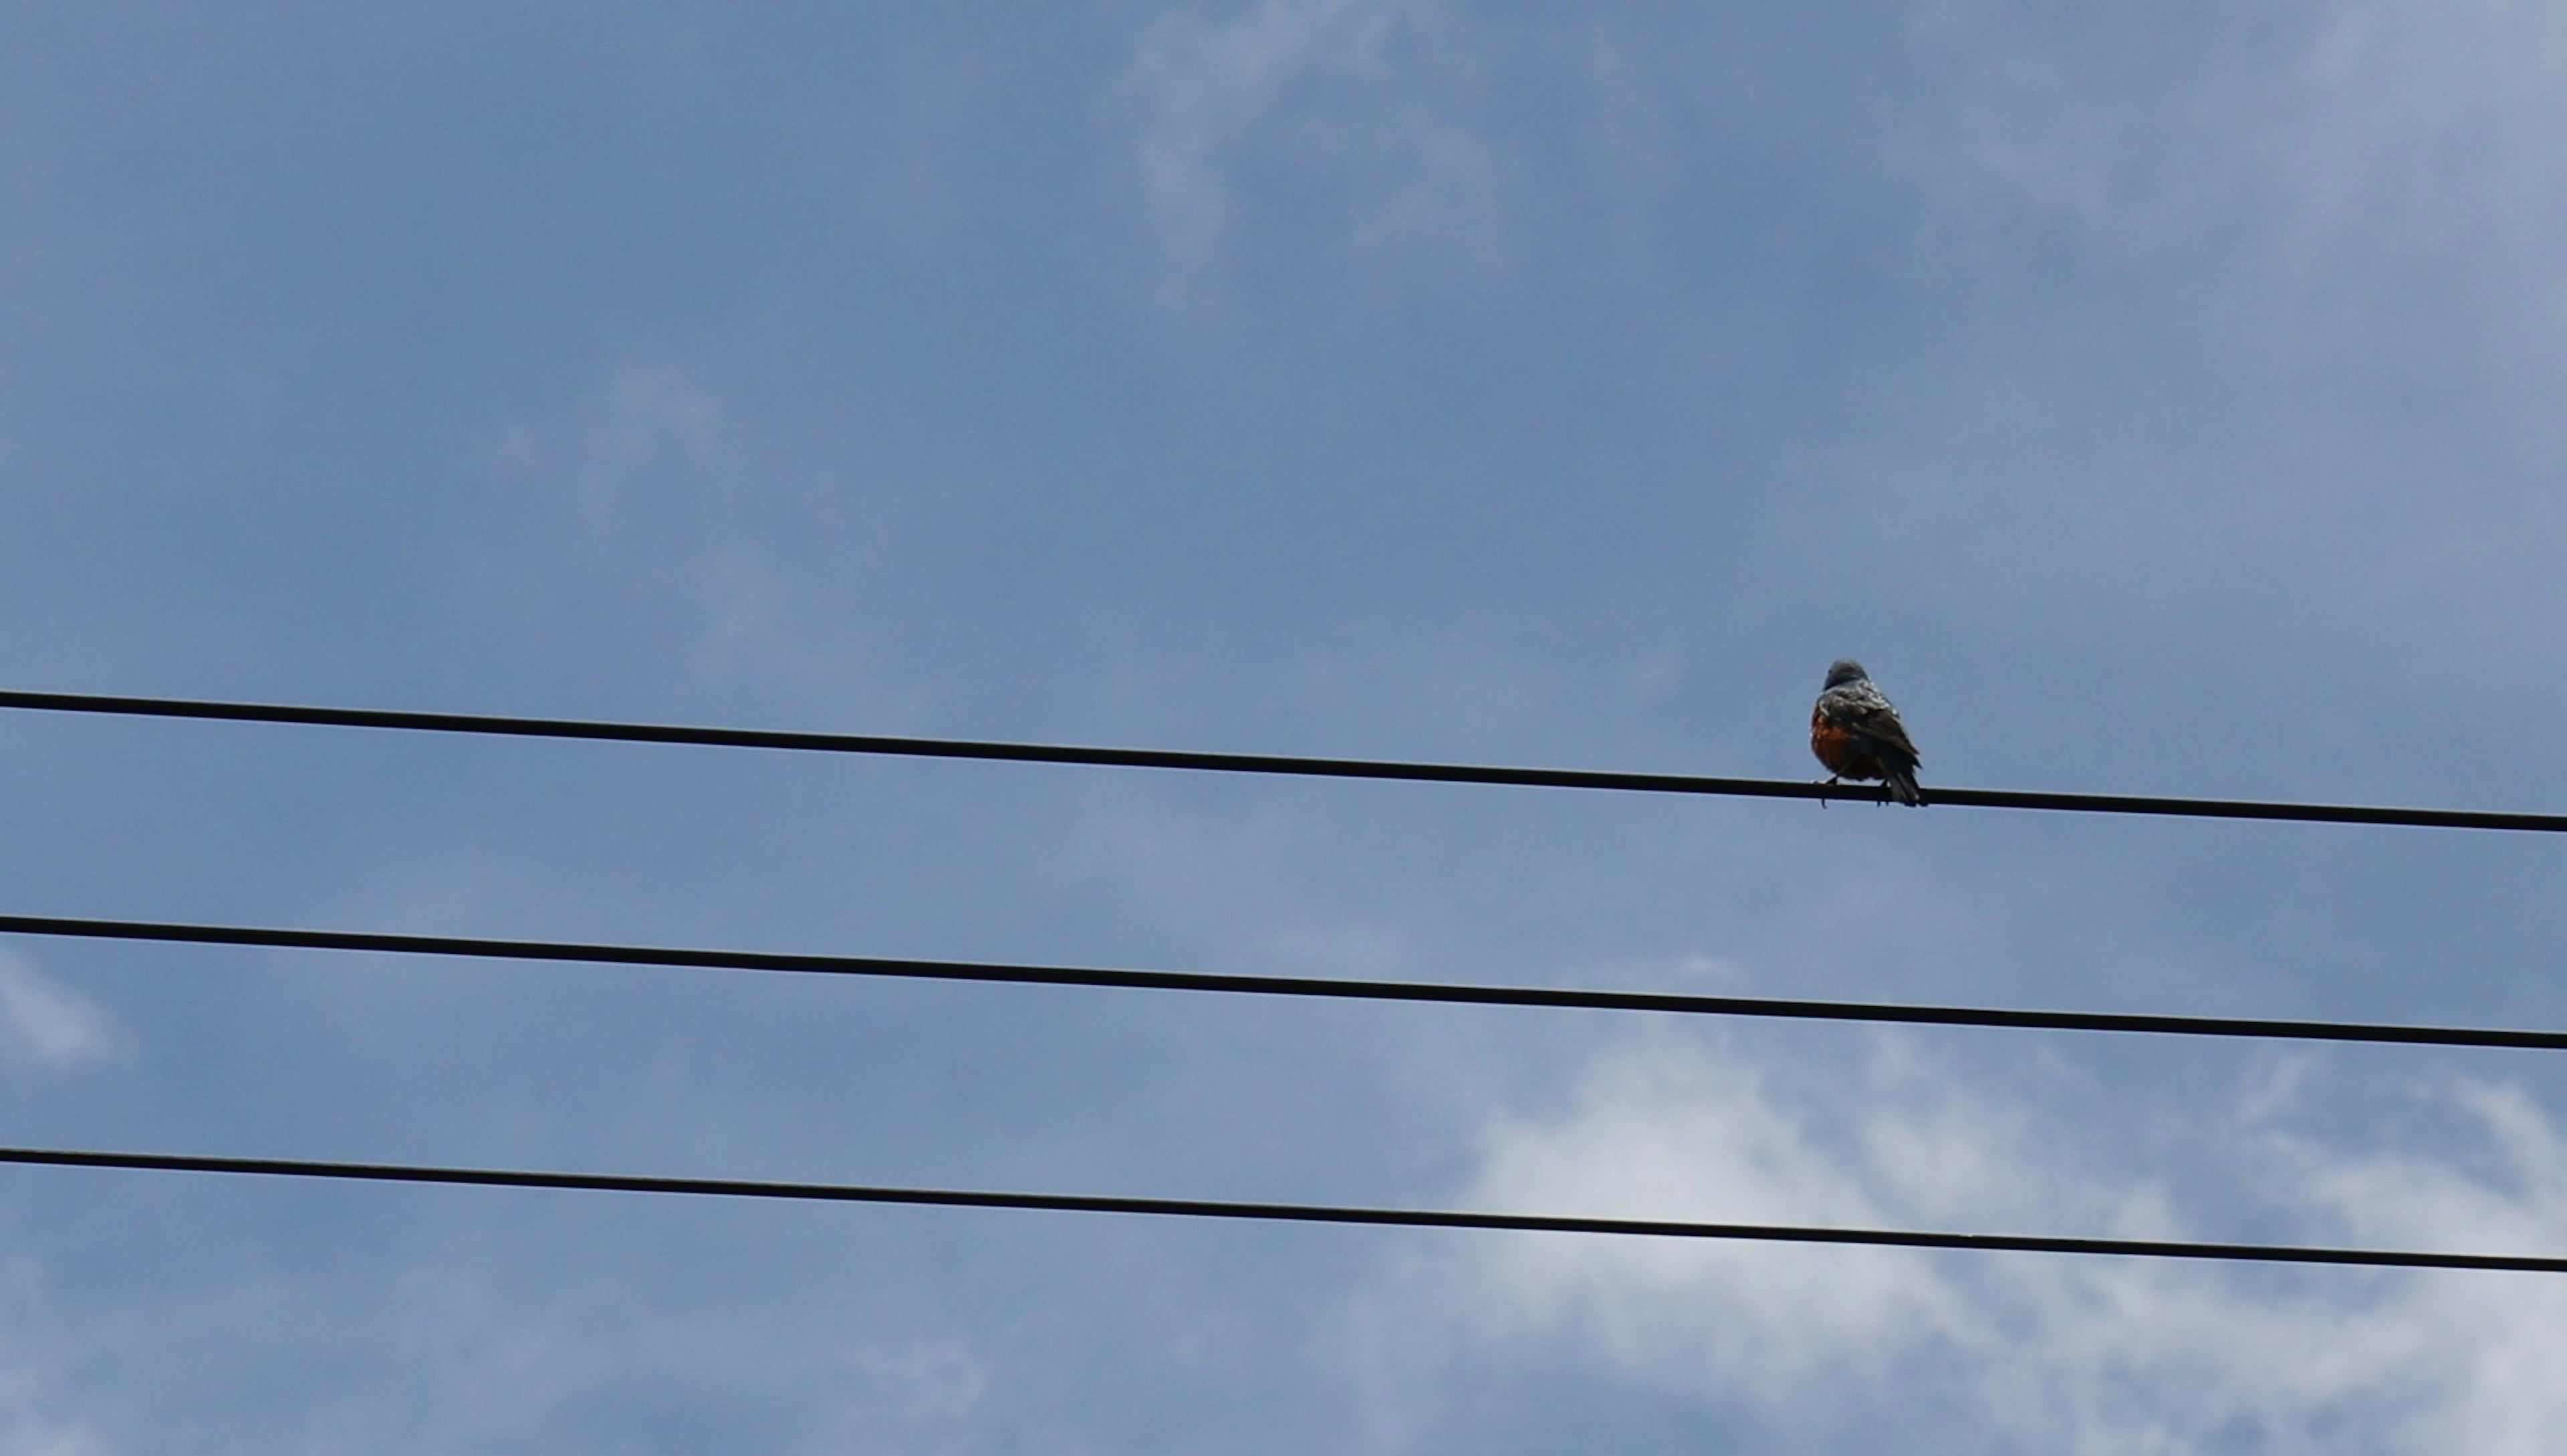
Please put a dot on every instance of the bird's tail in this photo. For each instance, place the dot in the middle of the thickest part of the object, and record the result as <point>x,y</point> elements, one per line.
<point>1903,786</point>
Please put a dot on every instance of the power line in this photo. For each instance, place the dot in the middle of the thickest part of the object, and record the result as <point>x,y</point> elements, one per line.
<point>1438,993</point>
<point>1270,764</point>
<point>1293,1213</point>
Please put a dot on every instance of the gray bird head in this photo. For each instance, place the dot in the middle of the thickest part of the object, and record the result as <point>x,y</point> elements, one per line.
<point>1847,670</point>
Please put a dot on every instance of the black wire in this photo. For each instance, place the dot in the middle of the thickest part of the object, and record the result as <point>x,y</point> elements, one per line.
<point>1297,985</point>
<point>1687,783</point>
<point>1295,1213</point>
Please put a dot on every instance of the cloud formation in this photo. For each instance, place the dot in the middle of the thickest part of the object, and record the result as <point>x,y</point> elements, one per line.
<point>2376,165</point>
<point>2009,1353</point>
<point>1366,94</point>
<point>48,1024</point>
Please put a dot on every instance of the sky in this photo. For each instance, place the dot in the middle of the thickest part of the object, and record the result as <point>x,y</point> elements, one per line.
<point>2157,399</point>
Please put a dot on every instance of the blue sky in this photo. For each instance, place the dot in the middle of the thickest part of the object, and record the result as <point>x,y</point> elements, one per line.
<point>2157,400</point>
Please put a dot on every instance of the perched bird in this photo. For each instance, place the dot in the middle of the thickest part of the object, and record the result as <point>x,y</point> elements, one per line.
<point>1858,734</point>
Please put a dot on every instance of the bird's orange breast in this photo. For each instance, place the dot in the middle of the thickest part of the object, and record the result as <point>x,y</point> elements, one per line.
<point>1845,752</point>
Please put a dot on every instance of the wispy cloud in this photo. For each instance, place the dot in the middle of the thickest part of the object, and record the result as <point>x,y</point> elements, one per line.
<point>50,1025</point>
<point>647,507</point>
<point>2364,193</point>
<point>1366,95</point>
<point>2380,156</point>
<point>2035,1352</point>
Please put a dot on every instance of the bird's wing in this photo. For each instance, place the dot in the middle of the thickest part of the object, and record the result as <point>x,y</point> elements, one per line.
<point>1862,707</point>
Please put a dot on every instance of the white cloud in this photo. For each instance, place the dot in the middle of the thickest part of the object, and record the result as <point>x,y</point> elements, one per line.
<point>919,1393</point>
<point>50,1025</point>
<point>2364,193</point>
<point>1367,93</point>
<point>36,1356</point>
<point>650,513</point>
<point>2409,133</point>
<point>2028,1352</point>
<point>2372,159</point>
<point>27,1431</point>
<point>1631,142</point>
<point>645,430</point>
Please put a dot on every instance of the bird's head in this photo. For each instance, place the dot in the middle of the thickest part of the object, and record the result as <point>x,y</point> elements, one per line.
<point>1847,670</point>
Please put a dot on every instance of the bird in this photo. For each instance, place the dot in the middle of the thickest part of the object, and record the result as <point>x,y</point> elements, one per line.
<point>1856,734</point>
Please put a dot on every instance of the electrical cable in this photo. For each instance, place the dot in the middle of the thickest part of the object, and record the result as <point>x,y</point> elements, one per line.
<point>1266,763</point>
<point>1439,993</point>
<point>1296,1213</point>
